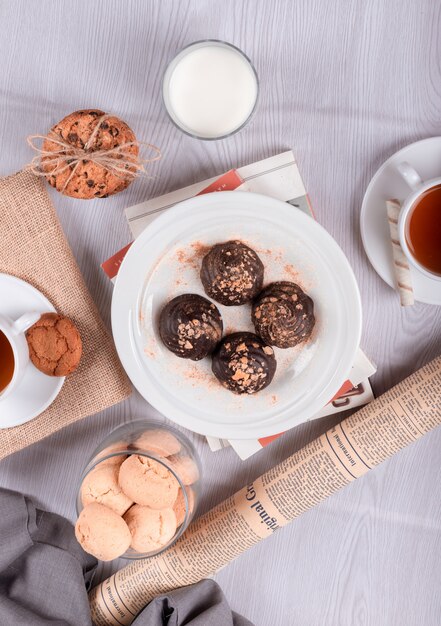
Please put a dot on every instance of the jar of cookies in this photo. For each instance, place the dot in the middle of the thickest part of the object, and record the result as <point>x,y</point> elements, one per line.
<point>138,493</point>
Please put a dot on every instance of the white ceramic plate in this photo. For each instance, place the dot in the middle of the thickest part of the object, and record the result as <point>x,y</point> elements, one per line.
<point>164,262</point>
<point>36,391</point>
<point>425,157</point>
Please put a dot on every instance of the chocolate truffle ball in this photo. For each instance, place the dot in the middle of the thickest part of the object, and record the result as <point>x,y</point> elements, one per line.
<point>243,363</point>
<point>283,315</point>
<point>190,326</point>
<point>232,273</point>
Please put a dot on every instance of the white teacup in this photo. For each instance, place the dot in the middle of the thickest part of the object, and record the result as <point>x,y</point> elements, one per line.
<point>418,187</point>
<point>14,332</point>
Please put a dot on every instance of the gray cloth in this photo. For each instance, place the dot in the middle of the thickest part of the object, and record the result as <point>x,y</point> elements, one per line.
<point>45,575</point>
<point>44,572</point>
<point>202,604</point>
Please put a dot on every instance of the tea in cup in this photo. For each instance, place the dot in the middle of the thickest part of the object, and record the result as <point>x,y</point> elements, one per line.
<point>419,223</point>
<point>14,351</point>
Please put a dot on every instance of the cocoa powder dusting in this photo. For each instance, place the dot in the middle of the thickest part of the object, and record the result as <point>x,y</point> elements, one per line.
<point>292,273</point>
<point>196,377</point>
<point>275,254</point>
<point>200,249</point>
<point>181,256</point>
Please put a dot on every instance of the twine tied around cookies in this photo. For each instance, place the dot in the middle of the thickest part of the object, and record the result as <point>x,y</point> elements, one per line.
<point>119,160</point>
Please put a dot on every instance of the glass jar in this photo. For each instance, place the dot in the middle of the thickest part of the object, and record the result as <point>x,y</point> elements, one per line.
<point>151,446</point>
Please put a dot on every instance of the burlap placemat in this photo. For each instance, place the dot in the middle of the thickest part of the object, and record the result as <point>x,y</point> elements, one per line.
<point>33,247</point>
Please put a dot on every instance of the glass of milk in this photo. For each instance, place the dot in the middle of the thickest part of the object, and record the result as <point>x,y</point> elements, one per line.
<point>210,89</point>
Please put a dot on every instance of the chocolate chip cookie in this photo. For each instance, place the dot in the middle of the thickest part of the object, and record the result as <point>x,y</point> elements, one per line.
<point>54,345</point>
<point>88,130</point>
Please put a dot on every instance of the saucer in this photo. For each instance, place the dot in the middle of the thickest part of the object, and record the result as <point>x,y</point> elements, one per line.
<point>36,391</point>
<point>425,157</point>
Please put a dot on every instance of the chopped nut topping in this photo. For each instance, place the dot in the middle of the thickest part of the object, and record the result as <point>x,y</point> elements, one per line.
<point>239,375</point>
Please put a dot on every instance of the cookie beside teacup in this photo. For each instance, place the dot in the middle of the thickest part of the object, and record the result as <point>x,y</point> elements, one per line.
<point>55,345</point>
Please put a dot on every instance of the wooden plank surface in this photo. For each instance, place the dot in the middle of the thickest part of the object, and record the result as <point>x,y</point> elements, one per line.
<point>344,84</point>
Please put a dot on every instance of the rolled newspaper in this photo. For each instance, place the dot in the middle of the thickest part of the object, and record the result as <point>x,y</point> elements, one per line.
<point>342,454</point>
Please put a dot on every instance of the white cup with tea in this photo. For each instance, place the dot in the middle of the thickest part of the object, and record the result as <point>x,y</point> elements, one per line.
<point>419,223</point>
<point>14,351</point>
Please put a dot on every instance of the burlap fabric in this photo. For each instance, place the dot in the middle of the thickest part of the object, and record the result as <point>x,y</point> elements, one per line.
<point>33,247</point>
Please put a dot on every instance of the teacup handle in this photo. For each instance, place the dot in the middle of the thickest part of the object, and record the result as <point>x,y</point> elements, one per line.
<point>25,321</point>
<point>411,177</point>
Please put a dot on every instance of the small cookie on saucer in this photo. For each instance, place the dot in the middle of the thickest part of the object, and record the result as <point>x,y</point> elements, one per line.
<point>54,345</point>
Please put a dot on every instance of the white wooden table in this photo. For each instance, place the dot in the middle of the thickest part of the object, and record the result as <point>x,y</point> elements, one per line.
<point>344,84</point>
